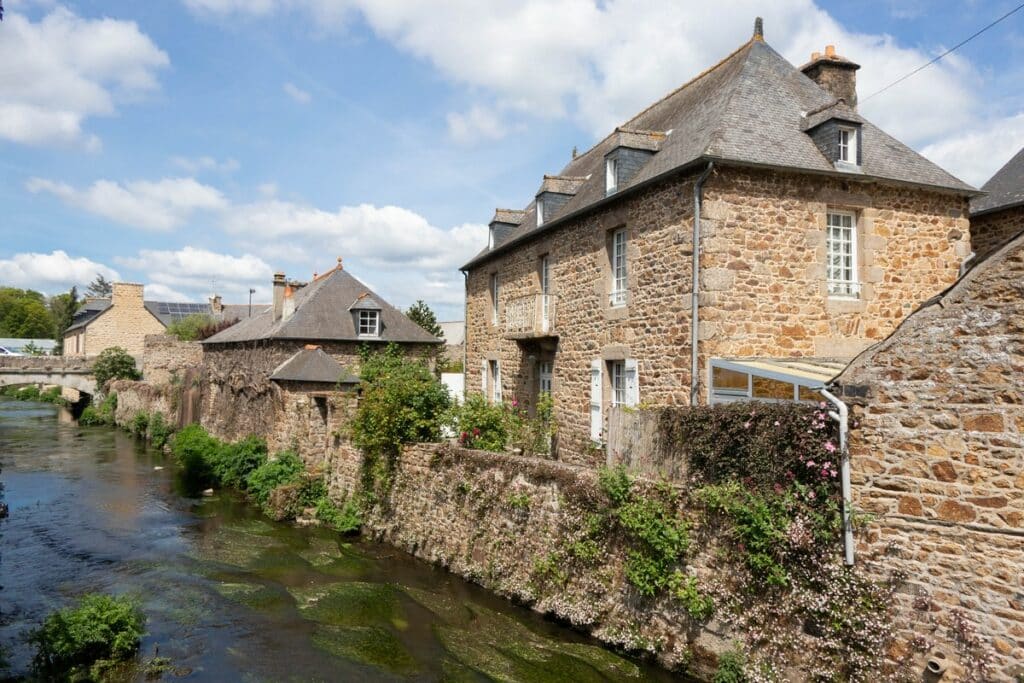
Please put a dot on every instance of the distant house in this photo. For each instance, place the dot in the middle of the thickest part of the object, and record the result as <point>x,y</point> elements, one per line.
<point>998,217</point>
<point>454,333</point>
<point>126,318</point>
<point>290,366</point>
<point>741,238</point>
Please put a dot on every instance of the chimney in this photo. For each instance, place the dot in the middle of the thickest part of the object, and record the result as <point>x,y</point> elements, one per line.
<point>279,285</point>
<point>126,295</point>
<point>216,304</point>
<point>836,75</point>
<point>288,303</point>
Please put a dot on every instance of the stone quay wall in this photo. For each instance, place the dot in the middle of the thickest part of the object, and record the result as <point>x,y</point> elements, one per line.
<point>992,230</point>
<point>165,358</point>
<point>142,397</point>
<point>494,518</point>
<point>938,456</point>
<point>763,286</point>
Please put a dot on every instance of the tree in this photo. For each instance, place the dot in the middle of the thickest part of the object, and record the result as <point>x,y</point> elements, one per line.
<point>62,309</point>
<point>101,287</point>
<point>421,314</point>
<point>23,314</point>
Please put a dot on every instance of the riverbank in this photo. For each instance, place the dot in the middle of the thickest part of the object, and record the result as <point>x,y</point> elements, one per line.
<point>231,594</point>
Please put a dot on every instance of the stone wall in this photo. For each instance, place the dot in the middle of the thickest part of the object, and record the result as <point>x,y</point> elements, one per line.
<point>165,357</point>
<point>992,230</point>
<point>312,419</point>
<point>938,455</point>
<point>763,289</point>
<point>142,397</point>
<point>494,518</point>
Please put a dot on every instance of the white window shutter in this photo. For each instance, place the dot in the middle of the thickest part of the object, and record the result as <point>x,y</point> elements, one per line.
<point>595,400</point>
<point>497,381</point>
<point>632,382</point>
<point>483,378</point>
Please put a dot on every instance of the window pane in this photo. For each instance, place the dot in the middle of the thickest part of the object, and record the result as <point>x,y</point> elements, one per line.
<point>810,395</point>
<point>772,388</point>
<point>729,380</point>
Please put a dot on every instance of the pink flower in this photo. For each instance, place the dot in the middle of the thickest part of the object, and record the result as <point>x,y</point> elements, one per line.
<point>515,403</point>
<point>811,495</point>
<point>810,463</point>
<point>746,425</point>
<point>776,423</point>
<point>830,447</point>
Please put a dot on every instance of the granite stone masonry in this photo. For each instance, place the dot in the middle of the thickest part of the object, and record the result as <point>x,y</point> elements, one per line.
<point>992,230</point>
<point>938,457</point>
<point>165,358</point>
<point>763,286</point>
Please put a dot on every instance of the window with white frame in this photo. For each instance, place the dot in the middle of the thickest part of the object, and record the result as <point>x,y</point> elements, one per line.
<point>494,369</point>
<point>841,254</point>
<point>369,323</point>
<point>617,375</point>
<point>540,212</point>
<point>611,175</point>
<point>619,290</point>
<point>495,291</point>
<point>848,145</point>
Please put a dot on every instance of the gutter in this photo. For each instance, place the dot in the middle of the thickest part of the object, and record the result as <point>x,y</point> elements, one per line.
<point>698,190</point>
<point>842,416</point>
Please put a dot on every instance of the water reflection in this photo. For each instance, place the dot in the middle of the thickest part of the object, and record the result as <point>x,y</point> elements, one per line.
<point>230,595</point>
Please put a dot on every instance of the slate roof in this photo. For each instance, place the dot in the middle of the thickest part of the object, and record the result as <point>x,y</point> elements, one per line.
<point>746,110</point>
<point>1005,189</point>
<point>311,364</point>
<point>322,313</point>
<point>165,312</point>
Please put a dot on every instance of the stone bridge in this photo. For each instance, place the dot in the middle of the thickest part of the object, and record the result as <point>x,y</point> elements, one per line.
<point>72,372</point>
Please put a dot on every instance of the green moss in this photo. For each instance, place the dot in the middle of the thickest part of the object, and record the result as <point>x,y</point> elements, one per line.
<point>351,603</point>
<point>256,596</point>
<point>371,645</point>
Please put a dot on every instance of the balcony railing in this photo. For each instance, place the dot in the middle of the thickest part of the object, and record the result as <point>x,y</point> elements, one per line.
<point>532,315</point>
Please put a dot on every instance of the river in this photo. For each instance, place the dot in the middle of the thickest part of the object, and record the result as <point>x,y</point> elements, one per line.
<point>232,596</point>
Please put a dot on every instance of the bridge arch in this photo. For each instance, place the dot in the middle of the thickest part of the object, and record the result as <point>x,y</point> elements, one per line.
<point>82,383</point>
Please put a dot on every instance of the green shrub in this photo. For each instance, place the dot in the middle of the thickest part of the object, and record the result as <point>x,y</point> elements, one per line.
<point>285,468</point>
<point>730,668</point>
<point>159,430</point>
<point>482,425</point>
<point>29,393</point>
<point>402,402</point>
<point>697,604</point>
<point>72,642</point>
<point>615,483</point>
<point>195,450</point>
<point>99,415</point>
<point>114,363</point>
<point>139,424</point>
<point>346,519</point>
<point>189,327</point>
<point>232,463</point>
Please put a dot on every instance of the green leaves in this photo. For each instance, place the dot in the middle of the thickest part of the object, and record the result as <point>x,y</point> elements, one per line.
<point>114,363</point>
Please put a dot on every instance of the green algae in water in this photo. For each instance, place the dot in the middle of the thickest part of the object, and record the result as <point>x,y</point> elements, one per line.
<point>353,603</point>
<point>505,650</point>
<point>327,558</point>
<point>449,609</point>
<point>256,596</point>
<point>233,547</point>
<point>371,645</point>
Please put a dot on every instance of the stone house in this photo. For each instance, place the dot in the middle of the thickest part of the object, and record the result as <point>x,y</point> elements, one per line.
<point>937,455</point>
<point>817,233</point>
<point>126,318</point>
<point>454,334</point>
<point>290,372</point>
<point>999,216</point>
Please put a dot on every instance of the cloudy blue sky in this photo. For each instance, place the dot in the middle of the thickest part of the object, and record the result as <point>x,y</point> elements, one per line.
<point>199,145</point>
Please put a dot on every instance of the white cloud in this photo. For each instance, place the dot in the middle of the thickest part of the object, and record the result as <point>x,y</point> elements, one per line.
<point>479,123</point>
<point>205,163</point>
<point>977,153</point>
<point>148,205</point>
<point>57,72</point>
<point>51,273</point>
<point>192,274</point>
<point>296,93</point>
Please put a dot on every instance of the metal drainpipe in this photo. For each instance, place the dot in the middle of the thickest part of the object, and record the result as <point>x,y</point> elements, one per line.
<point>842,415</point>
<point>698,189</point>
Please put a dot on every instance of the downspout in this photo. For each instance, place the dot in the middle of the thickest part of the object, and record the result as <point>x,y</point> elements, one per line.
<point>698,190</point>
<point>842,416</point>
<point>966,264</point>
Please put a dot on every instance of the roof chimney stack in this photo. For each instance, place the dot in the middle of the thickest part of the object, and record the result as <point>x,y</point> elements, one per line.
<point>279,285</point>
<point>835,75</point>
<point>759,29</point>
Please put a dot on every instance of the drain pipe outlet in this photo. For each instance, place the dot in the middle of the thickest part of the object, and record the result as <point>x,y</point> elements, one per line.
<point>698,191</point>
<point>937,663</point>
<point>842,416</point>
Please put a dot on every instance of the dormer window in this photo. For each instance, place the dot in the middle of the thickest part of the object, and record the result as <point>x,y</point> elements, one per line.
<point>369,323</point>
<point>611,175</point>
<point>540,212</point>
<point>847,145</point>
